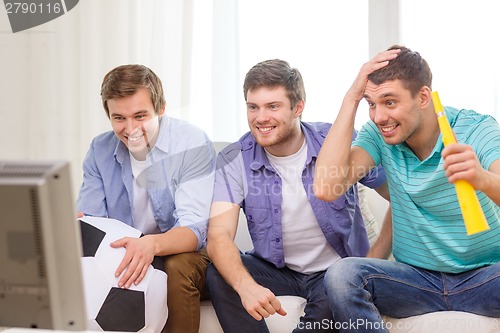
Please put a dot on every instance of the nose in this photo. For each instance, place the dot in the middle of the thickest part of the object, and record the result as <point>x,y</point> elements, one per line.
<point>262,115</point>
<point>131,126</point>
<point>378,115</point>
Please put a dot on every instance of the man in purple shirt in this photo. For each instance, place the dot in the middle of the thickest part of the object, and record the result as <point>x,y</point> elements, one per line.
<point>296,237</point>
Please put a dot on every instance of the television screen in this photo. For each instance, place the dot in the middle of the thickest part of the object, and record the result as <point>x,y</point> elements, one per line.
<point>41,283</point>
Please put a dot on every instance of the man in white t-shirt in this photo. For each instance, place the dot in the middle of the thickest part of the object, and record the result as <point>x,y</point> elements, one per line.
<point>269,173</point>
<point>156,174</point>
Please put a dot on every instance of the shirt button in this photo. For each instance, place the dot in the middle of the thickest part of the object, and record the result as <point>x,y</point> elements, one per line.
<point>276,182</point>
<point>277,240</point>
<point>276,210</point>
<point>346,202</point>
<point>249,217</point>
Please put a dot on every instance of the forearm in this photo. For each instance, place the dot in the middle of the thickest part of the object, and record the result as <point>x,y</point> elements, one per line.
<point>332,166</point>
<point>382,247</point>
<point>492,182</point>
<point>175,240</point>
<point>225,255</point>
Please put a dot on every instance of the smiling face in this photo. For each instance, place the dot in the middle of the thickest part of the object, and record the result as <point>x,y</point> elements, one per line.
<point>135,122</point>
<point>397,114</point>
<point>272,121</point>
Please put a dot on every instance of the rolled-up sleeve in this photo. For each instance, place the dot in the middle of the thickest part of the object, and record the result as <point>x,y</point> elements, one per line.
<point>194,188</point>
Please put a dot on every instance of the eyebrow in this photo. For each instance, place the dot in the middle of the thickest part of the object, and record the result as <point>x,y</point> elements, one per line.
<point>381,96</point>
<point>114,114</point>
<point>274,102</point>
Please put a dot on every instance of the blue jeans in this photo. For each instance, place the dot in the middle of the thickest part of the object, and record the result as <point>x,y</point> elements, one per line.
<point>361,289</point>
<point>281,281</point>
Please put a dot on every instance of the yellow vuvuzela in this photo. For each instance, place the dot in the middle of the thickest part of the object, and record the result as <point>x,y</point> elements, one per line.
<point>469,204</point>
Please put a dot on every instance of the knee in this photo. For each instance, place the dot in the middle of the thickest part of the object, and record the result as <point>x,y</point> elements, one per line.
<point>175,263</point>
<point>342,275</point>
<point>185,270</point>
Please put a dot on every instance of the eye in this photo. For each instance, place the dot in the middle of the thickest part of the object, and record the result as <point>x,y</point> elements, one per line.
<point>117,118</point>
<point>273,107</point>
<point>251,107</point>
<point>371,104</point>
<point>390,102</point>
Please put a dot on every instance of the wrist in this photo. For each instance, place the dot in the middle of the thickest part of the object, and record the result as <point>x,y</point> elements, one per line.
<point>243,282</point>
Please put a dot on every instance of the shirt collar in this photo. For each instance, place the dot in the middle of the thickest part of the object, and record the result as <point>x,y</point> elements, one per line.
<point>260,158</point>
<point>451,115</point>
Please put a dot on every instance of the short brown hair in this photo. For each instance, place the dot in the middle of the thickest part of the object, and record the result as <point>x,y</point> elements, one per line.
<point>409,67</point>
<point>126,80</point>
<point>276,73</point>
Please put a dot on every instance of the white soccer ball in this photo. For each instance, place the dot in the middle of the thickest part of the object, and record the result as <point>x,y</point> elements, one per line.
<point>142,307</point>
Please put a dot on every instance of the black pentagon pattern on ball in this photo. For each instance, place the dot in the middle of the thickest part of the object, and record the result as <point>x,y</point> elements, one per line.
<point>123,310</point>
<point>158,263</point>
<point>91,239</point>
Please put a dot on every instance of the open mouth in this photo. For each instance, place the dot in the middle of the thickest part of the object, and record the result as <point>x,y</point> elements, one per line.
<point>265,130</point>
<point>387,129</point>
<point>134,138</point>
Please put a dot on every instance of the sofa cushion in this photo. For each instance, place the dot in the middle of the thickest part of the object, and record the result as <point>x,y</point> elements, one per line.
<point>444,322</point>
<point>372,227</point>
<point>293,305</point>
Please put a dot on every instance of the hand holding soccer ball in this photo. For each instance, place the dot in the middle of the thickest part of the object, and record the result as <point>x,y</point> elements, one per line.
<point>140,308</point>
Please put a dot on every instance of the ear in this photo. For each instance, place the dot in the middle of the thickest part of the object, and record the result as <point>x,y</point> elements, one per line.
<point>299,108</point>
<point>425,97</point>
<point>162,111</point>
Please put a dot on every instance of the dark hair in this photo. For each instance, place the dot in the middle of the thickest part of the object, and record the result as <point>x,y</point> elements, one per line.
<point>409,67</point>
<point>276,73</point>
<point>126,80</point>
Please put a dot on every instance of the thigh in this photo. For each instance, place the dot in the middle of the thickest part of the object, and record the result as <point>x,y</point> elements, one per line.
<point>317,314</point>
<point>281,281</point>
<point>396,289</point>
<point>187,271</point>
<point>475,291</point>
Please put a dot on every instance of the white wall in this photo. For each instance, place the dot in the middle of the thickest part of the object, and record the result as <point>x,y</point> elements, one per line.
<point>50,75</point>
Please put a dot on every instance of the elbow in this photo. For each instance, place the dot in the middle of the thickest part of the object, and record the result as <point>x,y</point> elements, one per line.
<point>323,192</point>
<point>327,188</point>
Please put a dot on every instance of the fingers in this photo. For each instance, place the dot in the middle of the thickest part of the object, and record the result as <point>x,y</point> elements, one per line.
<point>277,306</point>
<point>126,259</point>
<point>122,242</point>
<point>460,162</point>
<point>134,273</point>
<point>458,154</point>
<point>266,308</point>
<point>128,266</point>
<point>134,264</point>
<point>142,274</point>
<point>383,58</point>
<point>380,60</point>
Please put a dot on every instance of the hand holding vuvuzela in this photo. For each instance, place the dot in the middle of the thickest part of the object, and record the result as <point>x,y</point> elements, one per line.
<point>472,212</point>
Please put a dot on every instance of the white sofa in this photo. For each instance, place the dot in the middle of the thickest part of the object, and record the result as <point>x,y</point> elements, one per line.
<point>373,208</point>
